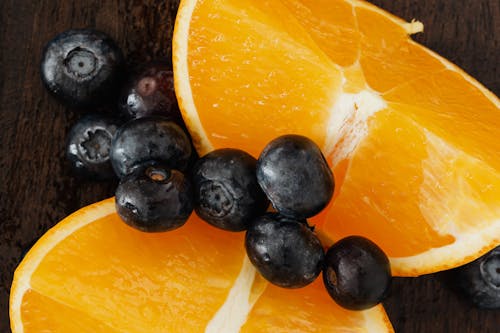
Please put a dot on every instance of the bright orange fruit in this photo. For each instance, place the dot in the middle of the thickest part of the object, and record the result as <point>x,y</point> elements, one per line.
<point>93,273</point>
<point>412,139</point>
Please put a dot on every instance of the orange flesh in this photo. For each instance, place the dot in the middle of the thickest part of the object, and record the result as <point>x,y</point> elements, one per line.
<point>308,74</point>
<point>334,30</point>
<point>36,318</point>
<point>108,277</point>
<point>382,187</point>
<point>183,275</point>
<point>300,310</point>
<point>467,120</point>
<point>403,186</point>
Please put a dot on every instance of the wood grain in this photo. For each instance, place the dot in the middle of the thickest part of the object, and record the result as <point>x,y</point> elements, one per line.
<point>37,188</point>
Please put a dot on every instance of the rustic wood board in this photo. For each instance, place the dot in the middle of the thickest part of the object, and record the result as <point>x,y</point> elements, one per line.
<point>37,188</point>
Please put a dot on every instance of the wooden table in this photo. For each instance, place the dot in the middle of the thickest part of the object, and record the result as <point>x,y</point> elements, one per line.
<point>37,188</point>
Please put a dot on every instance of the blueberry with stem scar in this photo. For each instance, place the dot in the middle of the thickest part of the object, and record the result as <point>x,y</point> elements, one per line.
<point>82,67</point>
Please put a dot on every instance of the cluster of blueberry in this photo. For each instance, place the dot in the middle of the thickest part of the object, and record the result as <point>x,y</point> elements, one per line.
<point>231,190</point>
<point>162,180</point>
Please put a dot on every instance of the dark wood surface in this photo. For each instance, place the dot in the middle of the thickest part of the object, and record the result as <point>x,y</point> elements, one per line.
<point>37,188</point>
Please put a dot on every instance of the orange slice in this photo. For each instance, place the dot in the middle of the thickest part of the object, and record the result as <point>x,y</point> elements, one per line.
<point>412,139</point>
<point>93,273</point>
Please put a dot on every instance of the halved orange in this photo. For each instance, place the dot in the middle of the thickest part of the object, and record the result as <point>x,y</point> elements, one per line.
<point>412,139</point>
<point>93,273</point>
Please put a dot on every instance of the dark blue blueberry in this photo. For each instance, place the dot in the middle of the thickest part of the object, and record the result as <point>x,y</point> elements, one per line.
<point>149,139</point>
<point>226,191</point>
<point>295,176</point>
<point>356,273</point>
<point>284,250</point>
<point>479,280</point>
<point>150,91</point>
<point>89,144</point>
<point>154,199</point>
<point>82,67</point>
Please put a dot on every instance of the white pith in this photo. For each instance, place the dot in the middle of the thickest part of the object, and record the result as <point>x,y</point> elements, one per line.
<point>348,123</point>
<point>232,315</point>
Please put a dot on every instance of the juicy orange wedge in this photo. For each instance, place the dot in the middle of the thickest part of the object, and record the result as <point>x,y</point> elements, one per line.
<point>411,138</point>
<point>93,273</point>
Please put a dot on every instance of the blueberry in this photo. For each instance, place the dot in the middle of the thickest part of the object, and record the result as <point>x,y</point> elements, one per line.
<point>150,91</point>
<point>295,176</point>
<point>284,250</point>
<point>154,199</point>
<point>153,139</point>
<point>356,273</point>
<point>88,146</point>
<point>81,67</point>
<point>479,280</point>
<point>226,191</point>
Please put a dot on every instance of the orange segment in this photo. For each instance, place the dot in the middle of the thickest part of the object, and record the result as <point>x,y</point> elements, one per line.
<point>144,272</point>
<point>388,57</point>
<point>220,75</point>
<point>106,264</point>
<point>412,139</point>
<point>373,200</point>
<point>38,319</point>
<point>93,273</point>
<point>301,310</point>
<point>334,30</point>
<point>377,201</point>
<point>468,119</point>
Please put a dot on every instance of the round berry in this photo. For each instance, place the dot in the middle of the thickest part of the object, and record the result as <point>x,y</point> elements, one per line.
<point>479,280</point>
<point>226,191</point>
<point>149,139</point>
<point>295,176</point>
<point>150,91</point>
<point>284,250</point>
<point>81,67</point>
<point>88,146</point>
<point>356,273</point>
<point>154,199</point>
